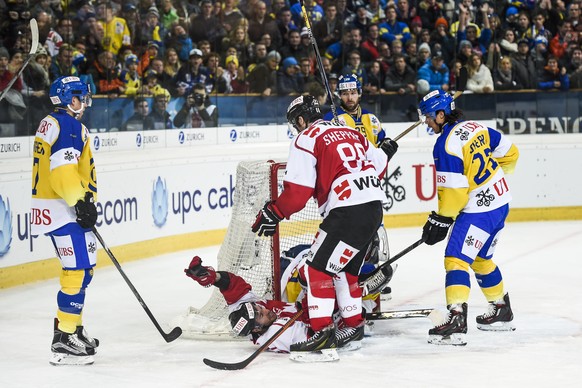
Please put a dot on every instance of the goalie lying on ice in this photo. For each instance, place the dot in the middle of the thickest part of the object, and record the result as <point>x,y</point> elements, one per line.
<point>260,319</point>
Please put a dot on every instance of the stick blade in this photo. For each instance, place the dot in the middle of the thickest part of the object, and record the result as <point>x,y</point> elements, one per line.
<point>174,334</point>
<point>34,35</point>
<point>225,366</point>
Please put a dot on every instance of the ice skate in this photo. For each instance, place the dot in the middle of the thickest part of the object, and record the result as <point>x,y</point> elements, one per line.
<point>321,347</point>
<point>83,336</point>
<point>68,349</point>
<point>452,331</point>
<point>499,317</point>
<point>349,338</point>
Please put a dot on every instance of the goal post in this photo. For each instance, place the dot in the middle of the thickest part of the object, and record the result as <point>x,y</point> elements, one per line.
<point>256,259</point>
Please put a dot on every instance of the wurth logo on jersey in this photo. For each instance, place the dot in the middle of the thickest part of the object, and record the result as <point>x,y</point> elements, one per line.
<point>367,182</point>
<point>343,190</point>
<point>346,257</point>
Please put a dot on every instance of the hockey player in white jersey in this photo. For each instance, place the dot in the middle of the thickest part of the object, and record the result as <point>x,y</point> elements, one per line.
<point>341,169</point>
<point>64,186</point>
<point>473,197</point>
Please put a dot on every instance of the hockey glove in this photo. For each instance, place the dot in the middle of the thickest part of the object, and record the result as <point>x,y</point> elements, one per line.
<point>267,219</point>
<point>86,211</point>
<point>436,228</point>
<point>205,276</point>
<point>389,147</point>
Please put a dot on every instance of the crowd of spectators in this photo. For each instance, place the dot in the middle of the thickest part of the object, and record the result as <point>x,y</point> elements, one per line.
<point>167,48</point>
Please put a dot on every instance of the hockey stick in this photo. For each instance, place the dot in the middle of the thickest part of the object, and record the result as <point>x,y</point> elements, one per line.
<point>247,361</point>
<point>457,94</point>
<point>398,314</point>
<point>176,331</point>
<point>33,48</point>
<point>319,62</point>
<point>378,271</point>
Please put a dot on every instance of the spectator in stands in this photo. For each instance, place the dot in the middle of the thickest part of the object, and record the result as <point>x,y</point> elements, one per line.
<point>261,23</point>
<point>404,12</point>
<point>159,116</point>
<point>306,72</point>
<point>361,20</point>
<point>392,29</point>
<point>263,78</point>
<point>538,28</point>
<point>575,62</point>
<point>152,52</point>
<point>96,34</point>
<point>479,39</point>
<point>116,31</point>
<point>560,41</point>
<point>524,28</point>
<point>375,83</point>
<point>168,14</point>
<point>433,75</point>
<point>504,76</point>
<point>215,72</point>
<point>553,77</point>
<point>384,56</point>
<point>411,53</point>
<point>441,40</point>
<point>294,48</point>
<point>539,54</point>
<point>65,30</point>
<point>62,64</point>
<point>415,29</point>
<point>429,11</point>
<point>372,41</point>
<point>288,80</point>
<point>105,73</point>
<point>479,78</point>
<point>179,41</point>
<point>524,65</point>
<point>239,39</point>
<point>465,51</point>
<point>458,75</point>
<point>206,26</point>
<point>205,47</point>
<point>192,73</point>
<point>328,30</point>
<point>355,67</point>
<point>172,64</point>
<point>130,77</point>
<point>401,78</point>
<point>260,55</point>
<point>424,53</point>
<point>284,23</point>
<point>229,15</point>
<point>234,76</point>
<point>139,119</point>
<point>197,112</point>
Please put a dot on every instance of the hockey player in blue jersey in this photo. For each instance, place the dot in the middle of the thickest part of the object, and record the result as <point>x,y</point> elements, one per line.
<point>473,197</point>
<point>64,186</point>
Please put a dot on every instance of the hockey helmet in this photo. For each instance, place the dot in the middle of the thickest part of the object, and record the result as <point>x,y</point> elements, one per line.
<point>63,89</point>
<point>349,82</point>
<point>306,107</point>
<point>242,319</point>
<point>434,102</point>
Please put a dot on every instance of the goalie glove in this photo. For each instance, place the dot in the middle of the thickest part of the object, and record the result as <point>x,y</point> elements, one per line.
<point>389,147</point>
<point>86,211</point>
<point>267,219</point>
<point>205,276</point>
<point>436,228</point>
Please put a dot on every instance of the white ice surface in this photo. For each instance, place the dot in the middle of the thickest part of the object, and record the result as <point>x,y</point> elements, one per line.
<point>540,262</point>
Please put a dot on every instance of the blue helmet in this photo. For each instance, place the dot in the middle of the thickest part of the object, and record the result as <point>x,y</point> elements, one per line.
<point>435,101</point>
<point>63,89</point>
<point>349,82</point>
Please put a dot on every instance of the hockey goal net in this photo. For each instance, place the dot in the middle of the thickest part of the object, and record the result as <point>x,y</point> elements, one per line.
<point>255,259</point>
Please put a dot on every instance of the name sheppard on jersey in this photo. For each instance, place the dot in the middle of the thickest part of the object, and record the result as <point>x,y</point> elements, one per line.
<point>329,138</point>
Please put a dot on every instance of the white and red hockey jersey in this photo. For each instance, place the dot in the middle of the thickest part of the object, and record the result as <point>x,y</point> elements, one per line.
<point>239,291</point>
<point>334,164</point>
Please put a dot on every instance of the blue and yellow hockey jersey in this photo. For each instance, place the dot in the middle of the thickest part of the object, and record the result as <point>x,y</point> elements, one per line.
<point>63,171</point>
<point>364,121</point>
<point>471,161</point>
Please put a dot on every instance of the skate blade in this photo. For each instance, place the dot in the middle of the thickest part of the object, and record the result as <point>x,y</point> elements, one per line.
<point>457,339</point>
<point>58,359</point>
<point>350,346</point>
<point>497,326</point>
<point>325,355</point>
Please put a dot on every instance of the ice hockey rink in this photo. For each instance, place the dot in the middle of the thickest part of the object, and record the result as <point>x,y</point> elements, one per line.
<point>540,262</point>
